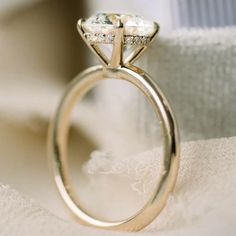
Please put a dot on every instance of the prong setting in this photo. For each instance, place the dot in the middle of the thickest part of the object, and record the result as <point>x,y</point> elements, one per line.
<point>103,27</point>
<point>117,52</point>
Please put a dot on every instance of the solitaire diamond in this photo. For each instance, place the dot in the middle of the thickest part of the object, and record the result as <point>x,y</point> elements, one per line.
<point>100,28</point>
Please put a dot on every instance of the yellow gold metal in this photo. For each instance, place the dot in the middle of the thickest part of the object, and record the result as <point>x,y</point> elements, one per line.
<point>57,140</point>
<point>117,52</point>
<point>94,48</point>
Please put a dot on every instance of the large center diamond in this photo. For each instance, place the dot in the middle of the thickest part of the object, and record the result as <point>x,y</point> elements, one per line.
<point>101,28</point>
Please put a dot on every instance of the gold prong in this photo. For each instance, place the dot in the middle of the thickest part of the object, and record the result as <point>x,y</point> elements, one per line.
<point>95,49</point>
<point>156,31</point>
<point>80,29</point>
<point>117,52</point>
<point>139,50</point>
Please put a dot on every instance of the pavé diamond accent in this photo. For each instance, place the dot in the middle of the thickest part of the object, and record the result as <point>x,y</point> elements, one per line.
<point>109,39</point>
<point>129,39</point>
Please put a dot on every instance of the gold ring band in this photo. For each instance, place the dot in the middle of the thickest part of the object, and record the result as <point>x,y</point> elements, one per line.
<point>171,149</point>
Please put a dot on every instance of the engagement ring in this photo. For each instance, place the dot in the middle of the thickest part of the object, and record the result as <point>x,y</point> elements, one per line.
<point>122,32</point>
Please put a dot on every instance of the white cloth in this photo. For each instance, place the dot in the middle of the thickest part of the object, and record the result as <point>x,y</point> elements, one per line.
<point>203,204</point>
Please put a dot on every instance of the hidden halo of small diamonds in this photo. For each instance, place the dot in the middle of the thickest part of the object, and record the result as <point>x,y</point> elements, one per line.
<point>99,28</point>
<point>102,38</point>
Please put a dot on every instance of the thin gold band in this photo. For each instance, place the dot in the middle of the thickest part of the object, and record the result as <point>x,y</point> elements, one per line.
<point>58,145</point>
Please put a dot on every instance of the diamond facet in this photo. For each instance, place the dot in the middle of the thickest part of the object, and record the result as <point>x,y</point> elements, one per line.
<point>136,30</point>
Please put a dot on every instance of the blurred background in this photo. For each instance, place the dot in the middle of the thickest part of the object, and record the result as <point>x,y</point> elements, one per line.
<point>41,52</point>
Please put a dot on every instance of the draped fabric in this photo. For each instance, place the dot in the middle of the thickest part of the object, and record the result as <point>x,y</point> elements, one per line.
<point>196,70</point>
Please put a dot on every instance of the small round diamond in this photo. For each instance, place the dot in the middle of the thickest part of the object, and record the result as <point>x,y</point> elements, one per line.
<point>91,37</point>
<point>137,40</point>
<point>110,38</point>
<point>129,40</point>
<point>101,38</point>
